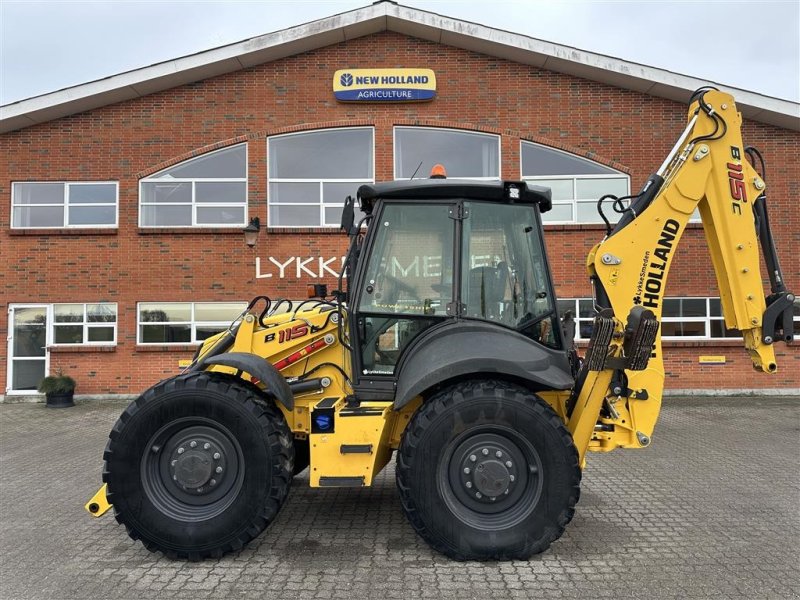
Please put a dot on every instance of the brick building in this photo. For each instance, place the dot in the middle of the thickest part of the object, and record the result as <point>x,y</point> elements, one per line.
<point>125,198</point>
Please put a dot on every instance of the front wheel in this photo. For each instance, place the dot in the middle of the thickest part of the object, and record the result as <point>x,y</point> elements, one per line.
<point>198,465</point>
<point>487,470</point>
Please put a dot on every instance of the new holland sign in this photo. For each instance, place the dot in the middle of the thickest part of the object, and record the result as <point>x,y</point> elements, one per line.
<point>384,85</point>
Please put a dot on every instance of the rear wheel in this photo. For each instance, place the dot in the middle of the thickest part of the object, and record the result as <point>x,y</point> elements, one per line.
<point>486,470</point>
<point>198,465</point>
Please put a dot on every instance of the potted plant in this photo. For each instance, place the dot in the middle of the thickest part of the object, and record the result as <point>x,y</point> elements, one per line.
<point>58,389</point>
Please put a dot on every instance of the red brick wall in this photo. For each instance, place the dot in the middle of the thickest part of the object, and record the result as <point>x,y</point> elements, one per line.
<point>126,141</point>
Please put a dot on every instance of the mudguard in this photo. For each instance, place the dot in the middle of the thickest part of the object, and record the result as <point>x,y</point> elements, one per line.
<point>483,348</point>
<point>258,368</point>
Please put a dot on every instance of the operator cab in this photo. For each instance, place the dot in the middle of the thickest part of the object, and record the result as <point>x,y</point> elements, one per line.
<point>438,251</point>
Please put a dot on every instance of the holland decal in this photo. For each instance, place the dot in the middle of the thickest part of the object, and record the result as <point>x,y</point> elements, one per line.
<point>384,85</point>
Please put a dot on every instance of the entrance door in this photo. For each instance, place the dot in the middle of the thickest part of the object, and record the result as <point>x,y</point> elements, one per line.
<point>27,347</point>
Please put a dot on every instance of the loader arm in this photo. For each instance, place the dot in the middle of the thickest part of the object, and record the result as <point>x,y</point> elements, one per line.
<point>617,397</point>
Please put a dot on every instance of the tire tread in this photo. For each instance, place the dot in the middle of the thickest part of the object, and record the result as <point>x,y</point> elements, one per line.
<point>446,400</point>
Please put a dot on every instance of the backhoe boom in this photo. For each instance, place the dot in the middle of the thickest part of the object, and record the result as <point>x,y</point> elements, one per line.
<point>707,171</point>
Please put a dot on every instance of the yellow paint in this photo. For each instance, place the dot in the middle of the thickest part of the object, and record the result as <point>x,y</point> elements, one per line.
<point>99,503</point>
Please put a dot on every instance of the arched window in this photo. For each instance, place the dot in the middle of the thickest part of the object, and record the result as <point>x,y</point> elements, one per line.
<point>205,191</point>
<point>577,183</point>
<point>464,154</point>
<point>311,173</point>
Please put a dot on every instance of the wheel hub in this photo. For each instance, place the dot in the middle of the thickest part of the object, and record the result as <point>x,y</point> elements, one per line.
<point>488,473</point>
<point>197,465</point>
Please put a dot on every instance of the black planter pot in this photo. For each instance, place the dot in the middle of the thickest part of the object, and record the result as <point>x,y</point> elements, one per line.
<point>64,400</point>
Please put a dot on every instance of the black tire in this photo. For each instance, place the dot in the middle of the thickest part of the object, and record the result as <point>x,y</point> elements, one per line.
<point>198,465</point>
<point>480,440</point>
<point>302,455</point>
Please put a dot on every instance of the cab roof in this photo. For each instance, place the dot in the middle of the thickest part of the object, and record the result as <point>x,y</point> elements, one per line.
<point>457,189</point>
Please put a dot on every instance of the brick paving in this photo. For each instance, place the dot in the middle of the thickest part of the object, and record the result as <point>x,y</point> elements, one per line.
<point>710,510</point>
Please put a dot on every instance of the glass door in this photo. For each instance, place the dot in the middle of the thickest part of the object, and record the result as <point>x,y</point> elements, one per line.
<point>27,348</point>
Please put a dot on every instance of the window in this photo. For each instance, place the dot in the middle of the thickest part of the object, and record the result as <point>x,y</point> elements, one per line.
<point>84,323</point>
<point>576,183</point>
<point>206,191</point>
<point>681,318</point>
<point>582,311</point>
<point>464,154</point>
<point>311,174</point>
<point>410,271</point>
<point>184,322</point>
<point>504,275</point>
<point>64,204</point>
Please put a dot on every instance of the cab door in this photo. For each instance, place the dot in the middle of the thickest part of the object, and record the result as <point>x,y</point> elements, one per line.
<point>406,286</point>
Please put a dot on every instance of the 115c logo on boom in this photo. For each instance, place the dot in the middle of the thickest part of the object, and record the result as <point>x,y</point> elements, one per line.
<point>736,181</point>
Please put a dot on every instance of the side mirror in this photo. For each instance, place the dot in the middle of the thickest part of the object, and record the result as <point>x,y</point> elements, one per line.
<point>348,215</point>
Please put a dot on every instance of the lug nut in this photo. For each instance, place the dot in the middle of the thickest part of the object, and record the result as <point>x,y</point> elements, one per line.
<point>216,455</point>
<point>478,495</point>
<point>174,462</point>
<point>509,464</point>
<point>493,498</point>
<point>485,451</point>
<point>468,484</point>
<point>200,489</point>
<point>192,444</point>
<point>218,469</point>
<point>498,454</point>
<point>466,470</point>
<point>206,446</point>
<point>181,450</point>
<point>511,478</point>
<point>505,493</point>
<point>213,482</point>
<point>473,458</point>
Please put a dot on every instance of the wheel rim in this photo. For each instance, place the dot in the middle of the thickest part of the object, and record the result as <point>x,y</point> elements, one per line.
<point>491,477</point>
<point>192,469</point>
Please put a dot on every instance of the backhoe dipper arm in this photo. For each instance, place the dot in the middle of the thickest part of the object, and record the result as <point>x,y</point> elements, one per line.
<point>623,376</point>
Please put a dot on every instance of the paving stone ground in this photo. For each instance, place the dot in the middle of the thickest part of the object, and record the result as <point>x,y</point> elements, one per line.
<point>710,510</point>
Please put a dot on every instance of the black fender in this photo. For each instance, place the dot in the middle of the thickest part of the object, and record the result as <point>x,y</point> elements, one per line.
<point>259,368</point>
<point>466,348</point>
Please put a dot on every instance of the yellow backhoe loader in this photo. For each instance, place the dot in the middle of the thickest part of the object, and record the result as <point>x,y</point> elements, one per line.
<point>443,344</point>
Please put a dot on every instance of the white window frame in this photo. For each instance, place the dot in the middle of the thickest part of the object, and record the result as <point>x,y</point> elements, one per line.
<point>87,325</point>
<point>192,322</point>
<point>453,130</point>
<point>706,320</point>
<point>322,205</point>
<point>154,178</point>
<point>66,205</point>
<point>574,178</point>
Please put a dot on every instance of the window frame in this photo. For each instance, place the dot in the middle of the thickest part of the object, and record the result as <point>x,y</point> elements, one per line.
<point>66,205</point>
<point>707,320</point>
<point>574,201</point>
<point>321,181</point>
<point>192,322</point>
<point>154,178</point>
<point>85,323</point>
<point>497,137</point>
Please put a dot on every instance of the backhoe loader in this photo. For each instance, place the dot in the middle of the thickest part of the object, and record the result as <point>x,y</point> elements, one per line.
<point>443,345</point>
